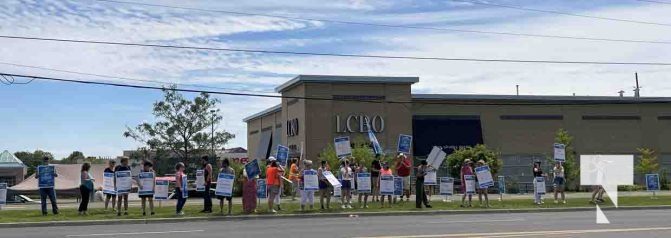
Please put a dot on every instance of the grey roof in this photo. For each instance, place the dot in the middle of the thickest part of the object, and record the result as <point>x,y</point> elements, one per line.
<point>9,160</point>
<point>268,111</point>
<point>539,98</point>
<point>343,79</point>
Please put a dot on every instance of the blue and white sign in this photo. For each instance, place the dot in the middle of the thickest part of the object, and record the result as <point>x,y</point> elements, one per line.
<point>398,186</point>
<point>337,192</point>
<point>3,194</point>
<point>124,182</point>
<point>161,190</point>
<point>332,179</point>
<point>225,185</point>
<point>540,185</point>
<point>252,168</point>
<point>46,175</point>
<point>446,186</point>
<point>108,183</point>
<point>310,180</point>
<point>560,152</point>
<point>431,178</point>
<point>502,184</point>
<point>200,180</point>
<point>470,184</point>
<point>146,182</point>
<point>363,181</point>
<point>185,187</point>
<point>387,185</point>
<point>282,155</point>
<point>342,146</point>
<point>404,143</point>
<point>261,189</point>
<point>652,182</point>
<point>484,175</point>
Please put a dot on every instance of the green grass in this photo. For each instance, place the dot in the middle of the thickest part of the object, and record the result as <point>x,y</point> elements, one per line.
<point>34,215</point>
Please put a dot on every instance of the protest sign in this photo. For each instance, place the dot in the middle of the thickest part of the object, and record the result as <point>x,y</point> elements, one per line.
<point>470,184</point>
<point>652,182</point>
<point>502,184</point>
<point>436,157</point>
<point>387,185</point>
<point>342,147</point>
<point>185,188</point>
<point>200,180</point>
<point>225,183</point>
<point>252,168</point>
<point>282,155</point>
<point>46,176</point>
<point>146,183</point>
<point>337,192</point>
<point>484,175</point>
<point>404,143</point>
<point>161,190</point>
<point>261,191</point>
<point>363,182</point>
<point>540,185</point>
<point>398,186</point>
<point>430,178</point>
<point>560,152</point>
<point>310,180</point>
<point>123,182</point>
<point>446,186</point>
<point>108,183</point>
<point>332,179</point>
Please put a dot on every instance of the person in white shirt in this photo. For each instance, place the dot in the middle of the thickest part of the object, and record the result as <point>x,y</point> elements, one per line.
<point>559,181</point>
<point>346,175</point>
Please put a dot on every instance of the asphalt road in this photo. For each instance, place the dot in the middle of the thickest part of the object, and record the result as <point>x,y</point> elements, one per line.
<point>642,223</point>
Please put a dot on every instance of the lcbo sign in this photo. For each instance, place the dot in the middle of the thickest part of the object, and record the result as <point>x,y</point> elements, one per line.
<point>357,123</point>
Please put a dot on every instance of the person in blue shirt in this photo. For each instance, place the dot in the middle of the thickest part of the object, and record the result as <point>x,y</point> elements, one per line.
<point>48,193</point>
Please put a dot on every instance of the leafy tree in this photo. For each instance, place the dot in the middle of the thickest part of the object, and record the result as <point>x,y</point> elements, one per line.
<point>361,151</point>
<point>571,167</point>
<point>32,160</point>
<point>648,163</point>
<point>475,153</point>
<point>73,158</point>
<point>182,125</point>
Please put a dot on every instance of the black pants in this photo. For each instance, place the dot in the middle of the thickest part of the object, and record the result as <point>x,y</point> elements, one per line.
<point>420,194</point>
<point>207,203</point>
<point>86,196</point>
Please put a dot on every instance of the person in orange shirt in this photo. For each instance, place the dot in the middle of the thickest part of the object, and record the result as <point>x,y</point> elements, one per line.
<point>385,171</point>
<point>273,182</point>
<point>294,176</point>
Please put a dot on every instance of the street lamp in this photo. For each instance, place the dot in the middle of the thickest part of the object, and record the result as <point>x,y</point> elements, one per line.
<point>214,155</point>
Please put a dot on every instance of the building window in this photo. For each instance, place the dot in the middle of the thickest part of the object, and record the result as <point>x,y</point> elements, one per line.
<point>358,97</point>
<point>253,132</point>
<point>531,117</point>
<point>609,117</point>
<point>11,181</point>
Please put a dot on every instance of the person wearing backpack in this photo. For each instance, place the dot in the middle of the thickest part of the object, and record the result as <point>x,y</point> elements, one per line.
<point>403,167</point>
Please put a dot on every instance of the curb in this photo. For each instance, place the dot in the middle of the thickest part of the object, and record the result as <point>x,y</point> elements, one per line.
<point>315,215</point>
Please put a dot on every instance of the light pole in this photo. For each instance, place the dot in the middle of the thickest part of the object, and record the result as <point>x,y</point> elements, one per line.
<point>214,155</point>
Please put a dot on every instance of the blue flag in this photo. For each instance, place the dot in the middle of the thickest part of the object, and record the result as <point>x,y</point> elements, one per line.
<point>371,136</point>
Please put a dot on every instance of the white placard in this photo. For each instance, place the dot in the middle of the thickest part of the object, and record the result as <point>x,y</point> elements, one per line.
<point>540,185</point>
<point>484,175</point>
<point>3,194</point>
<point>161,190</point>
<point>337,192</point>
<point>560,152</point>
<point>430,178</point>
<point>108,183</point>
<point>332,179</point>
<point>310,180</point>
<point>470,184</point>
<point>146,182</point>
<point>124,182</point>
<point>342,147</point>
<point>200,180</point>
<point>387,185</point>
<point>436,157</point>
<point>446,186</point>
<point>225,183</point>
<point>363,182</point>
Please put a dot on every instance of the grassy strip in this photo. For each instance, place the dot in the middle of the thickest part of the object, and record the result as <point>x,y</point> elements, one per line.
<point>10,216</point>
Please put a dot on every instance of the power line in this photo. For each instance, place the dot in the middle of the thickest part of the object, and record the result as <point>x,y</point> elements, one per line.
<point>395,26</point>
<point>562,13</point>
<point>652,1</point>
<point>33,77</point>
<point>337,54</point>
<point>130,79</point>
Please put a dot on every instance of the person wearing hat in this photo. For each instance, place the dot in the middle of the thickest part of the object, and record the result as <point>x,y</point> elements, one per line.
<point>537,172</point>
<point>420,193</point>
<point>385,171</point>
<point>307,196</point>
<point>273,181</point>
<point>466,169</point>
<point>48,192</point>
<point>403,167</point>
<point>281,170</point>
<point>482,191</point>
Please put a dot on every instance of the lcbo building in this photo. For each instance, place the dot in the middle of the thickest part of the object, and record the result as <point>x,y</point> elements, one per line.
<point>316,109</point>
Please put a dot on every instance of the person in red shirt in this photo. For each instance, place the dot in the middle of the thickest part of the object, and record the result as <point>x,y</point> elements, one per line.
<point>466,169</point>
<point>403,167</point>
<point>273,183</point>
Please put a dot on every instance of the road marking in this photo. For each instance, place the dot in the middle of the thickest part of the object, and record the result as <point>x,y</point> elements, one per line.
<point>474,221</point>
<point>529,233</point>
<point>135,233</point>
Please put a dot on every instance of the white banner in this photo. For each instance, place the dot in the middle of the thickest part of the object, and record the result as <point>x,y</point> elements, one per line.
<point>200,180</point>
<point>146,183</point>
<point>337,192</point>
<point>387,185</point>
<point>3,194</point>
<point>363,182</point>
<point>436,157</point>
<point>225,183</point>
<point>161,190</point>
<point>430,178</point>
<point>470,184</point>
<point>124,182</point>
<point>310,180</point>
<point>540,185</point>
<point>342,147</point>
<point>446,186</point>
<point>108,183</point>
<point>560,152</point>
<point>484,175</point>
<point>332,179</point>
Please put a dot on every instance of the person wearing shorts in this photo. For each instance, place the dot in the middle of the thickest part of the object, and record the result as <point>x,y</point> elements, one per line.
<point>403,167</point>
<point>273,183</point>
<point>225,168</point>
<point>559,182</point>
<point>466,169</point>
<point>307,196</point>
<point>147,167</point>
<point>346,175</point>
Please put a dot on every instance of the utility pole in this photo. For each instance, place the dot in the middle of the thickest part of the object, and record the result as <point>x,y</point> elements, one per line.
<point>518,89</point>
<point>214,154</point>
<point>637,89</point>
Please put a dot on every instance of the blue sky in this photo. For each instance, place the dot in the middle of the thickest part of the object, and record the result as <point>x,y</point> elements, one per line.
<point>62,117</point>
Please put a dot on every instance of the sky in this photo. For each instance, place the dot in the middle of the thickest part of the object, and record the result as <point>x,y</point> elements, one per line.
<point>63,117</point>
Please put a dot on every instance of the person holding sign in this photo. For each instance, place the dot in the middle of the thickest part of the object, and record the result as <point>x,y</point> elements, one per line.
<point>310,185</point>
<point>225,169</point>
<point>403,167</point>
<point>249,190</point>
<point>109,173</point>
<point>386,171</point>
<point>146,181</point>
<point>85,188</point>
<point>375,168</point>
<point>559,181</point>
<point>346,175</point>
<point>538,172</point>
<point>420,193</point>
<point>482,188</point>
<point>361,169</point>
<point>46,175</point>
<point>466,169</point>
<point>324,192</point>
<point>273,181</point>
<point>180,188</point>
<point>207,174</point>
<point>122,196</point>
<point>294,176</point>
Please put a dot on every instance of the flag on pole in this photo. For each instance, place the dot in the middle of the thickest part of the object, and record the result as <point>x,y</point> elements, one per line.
<point>371,136</point>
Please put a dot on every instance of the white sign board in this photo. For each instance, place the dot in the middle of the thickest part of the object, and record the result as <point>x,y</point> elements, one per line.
<point>342,147</point>
<point>161,190</point>
<point>560,152</point>
<point>337,192</point>
<point>3,194</point>
<point>387,185</point>
<point>470,184</point>
<point>484,175</point>
<point>124,182</point>
<point>332,179</point>
<point>200,180</point>
<point>108,183</point>
<point>310,180</point>
<point>540,185</point>
<point>436,157</point>
<point>430,178</point>
<point>224,185</point>
<point>446,186</point>
<point>363,182</point>
<point>146,182</point>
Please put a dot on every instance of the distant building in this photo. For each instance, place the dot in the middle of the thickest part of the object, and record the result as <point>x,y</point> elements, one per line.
<point>12,169</point>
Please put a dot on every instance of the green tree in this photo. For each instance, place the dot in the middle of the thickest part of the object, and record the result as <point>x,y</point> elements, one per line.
<point>571,167</point>
<point>32,159</point>
<point>182,126</point>
<point>475,153</point>
<point>648,163</point>
<point>74,158</point>
<point>361,151</point>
